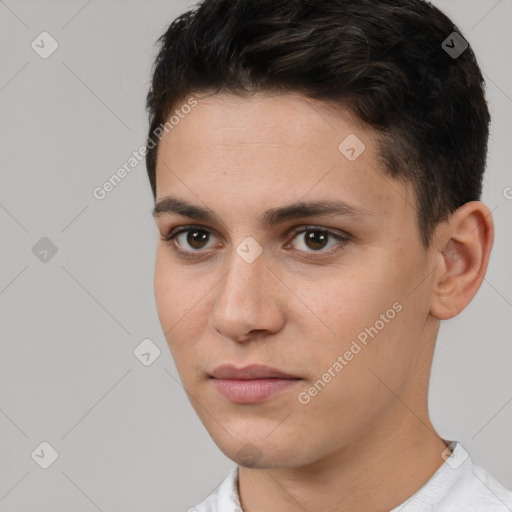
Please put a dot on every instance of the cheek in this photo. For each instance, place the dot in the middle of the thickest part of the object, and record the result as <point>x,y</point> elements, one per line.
<point>171,297</point>
<point>353,301</point>
<point>182,299</point>
<point>174,300</point>
<point>166,292</point>
<point>365,311</point>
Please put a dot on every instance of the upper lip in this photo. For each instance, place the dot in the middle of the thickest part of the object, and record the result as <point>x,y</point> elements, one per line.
<point>253,371</point>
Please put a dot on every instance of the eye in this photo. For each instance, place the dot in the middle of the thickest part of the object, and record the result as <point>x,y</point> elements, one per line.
<point>195,237</point>
<point>315,239</point>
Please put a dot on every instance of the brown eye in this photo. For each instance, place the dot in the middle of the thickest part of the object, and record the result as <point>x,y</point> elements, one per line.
<point>196,238</point>
<point>190,239</point>
<point>315,239</point>
<point>192,242</point>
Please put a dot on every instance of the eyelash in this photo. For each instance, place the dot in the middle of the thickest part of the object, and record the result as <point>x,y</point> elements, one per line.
<point>300,230</point>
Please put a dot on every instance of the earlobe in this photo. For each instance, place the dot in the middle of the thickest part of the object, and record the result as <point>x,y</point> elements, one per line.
<point>465,244</point>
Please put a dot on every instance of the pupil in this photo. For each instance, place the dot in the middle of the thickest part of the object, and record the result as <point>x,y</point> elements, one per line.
<point>319,240</point>
<point>195,237</point>
<point>315,239</point>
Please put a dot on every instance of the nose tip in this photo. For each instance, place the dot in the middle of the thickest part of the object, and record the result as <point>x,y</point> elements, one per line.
<point>246,304</point>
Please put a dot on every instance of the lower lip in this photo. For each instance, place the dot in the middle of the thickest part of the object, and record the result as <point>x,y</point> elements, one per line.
<point>252,391</point>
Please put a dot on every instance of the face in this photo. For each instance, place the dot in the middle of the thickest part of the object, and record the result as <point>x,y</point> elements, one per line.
<point>333,296</point>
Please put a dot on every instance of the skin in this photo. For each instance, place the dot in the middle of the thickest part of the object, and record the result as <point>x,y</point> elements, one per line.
<point>365,441</point>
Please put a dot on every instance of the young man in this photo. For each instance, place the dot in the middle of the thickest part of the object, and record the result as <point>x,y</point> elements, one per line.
<point>317,168</point>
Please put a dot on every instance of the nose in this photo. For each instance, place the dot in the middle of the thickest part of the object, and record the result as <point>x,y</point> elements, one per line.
<point>249,300</point>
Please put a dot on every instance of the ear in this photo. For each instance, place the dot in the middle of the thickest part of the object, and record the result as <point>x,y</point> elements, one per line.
<point>462,249</point>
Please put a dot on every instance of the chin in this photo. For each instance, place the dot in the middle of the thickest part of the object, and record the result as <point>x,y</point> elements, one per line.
<point>261,452</point>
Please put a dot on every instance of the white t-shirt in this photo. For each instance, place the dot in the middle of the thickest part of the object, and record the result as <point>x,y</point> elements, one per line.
<point>457,486</point>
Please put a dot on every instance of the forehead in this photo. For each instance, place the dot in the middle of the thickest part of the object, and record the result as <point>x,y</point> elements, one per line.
<point>252,152</point>
<point>271,121</point>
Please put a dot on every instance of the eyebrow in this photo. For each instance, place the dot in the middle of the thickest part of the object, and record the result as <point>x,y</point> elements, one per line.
<point>271,217</point>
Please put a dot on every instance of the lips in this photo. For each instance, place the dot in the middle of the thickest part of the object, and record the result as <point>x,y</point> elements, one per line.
<point>253,371</point>
<point>251,384</point>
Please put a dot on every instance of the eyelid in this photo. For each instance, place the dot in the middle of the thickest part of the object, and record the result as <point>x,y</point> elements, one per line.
<point>341,237</point>
<point>295,230</point>
<point>183,229</point>
<point>313,227</point>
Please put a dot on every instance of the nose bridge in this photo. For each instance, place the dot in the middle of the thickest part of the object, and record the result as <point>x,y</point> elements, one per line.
<point>246,275</point>
<point>243,301</point>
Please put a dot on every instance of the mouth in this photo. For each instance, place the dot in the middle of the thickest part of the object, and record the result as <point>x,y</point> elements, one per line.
<point>251,384</point>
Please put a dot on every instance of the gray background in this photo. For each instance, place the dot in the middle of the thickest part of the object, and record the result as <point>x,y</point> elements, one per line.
<point>126,436</point>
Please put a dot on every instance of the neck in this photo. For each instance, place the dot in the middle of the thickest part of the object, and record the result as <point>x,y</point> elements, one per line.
<point>374,473</point>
